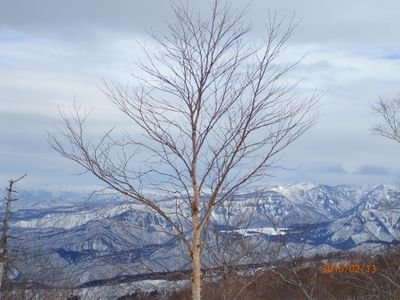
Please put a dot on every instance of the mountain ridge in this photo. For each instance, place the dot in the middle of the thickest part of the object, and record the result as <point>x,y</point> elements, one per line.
<point>93,236</point>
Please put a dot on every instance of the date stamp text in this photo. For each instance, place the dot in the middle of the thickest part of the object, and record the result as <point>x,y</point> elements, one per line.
<point>349,268</point>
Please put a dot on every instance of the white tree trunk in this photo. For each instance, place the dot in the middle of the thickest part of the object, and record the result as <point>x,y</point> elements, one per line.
<point>196,265</point>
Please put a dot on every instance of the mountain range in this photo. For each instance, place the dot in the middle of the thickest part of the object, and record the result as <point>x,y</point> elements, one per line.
<point>86,239</point>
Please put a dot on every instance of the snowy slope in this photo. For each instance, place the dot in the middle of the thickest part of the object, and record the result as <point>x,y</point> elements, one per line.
<point>103,236</point>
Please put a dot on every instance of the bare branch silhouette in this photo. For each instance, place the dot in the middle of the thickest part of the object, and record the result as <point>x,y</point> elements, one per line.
<point>215,110</point>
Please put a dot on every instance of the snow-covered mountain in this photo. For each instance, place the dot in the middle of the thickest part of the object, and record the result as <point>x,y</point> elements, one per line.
<point>91,237</point>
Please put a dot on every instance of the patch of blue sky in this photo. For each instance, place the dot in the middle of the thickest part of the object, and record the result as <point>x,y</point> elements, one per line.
<point>368,52</point>
<point>11,44</point>
<point>5,61</point>
<point>13,36</point>
<point>349,51</point>
<point>392,56</point>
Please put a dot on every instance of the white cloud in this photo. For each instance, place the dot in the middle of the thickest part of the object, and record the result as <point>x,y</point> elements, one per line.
<point>352,54</point>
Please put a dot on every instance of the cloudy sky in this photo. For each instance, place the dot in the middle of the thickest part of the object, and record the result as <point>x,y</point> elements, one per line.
<point>52,52</point>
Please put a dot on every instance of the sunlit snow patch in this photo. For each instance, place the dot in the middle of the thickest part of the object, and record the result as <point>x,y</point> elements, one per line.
<point>261,230</point>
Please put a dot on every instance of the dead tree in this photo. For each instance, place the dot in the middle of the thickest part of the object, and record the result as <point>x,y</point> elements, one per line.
<point>4,247</point>
<point>388,110</point>
<point>215,111</point>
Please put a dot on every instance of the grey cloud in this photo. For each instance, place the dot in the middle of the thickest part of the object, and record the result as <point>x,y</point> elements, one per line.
<point>329,21</point>
<point>322,168</point>
<point>340,21</point>
<point>346,59</point>
<point>334,168</point>
<point>373,170</point>
<point>80,19</point>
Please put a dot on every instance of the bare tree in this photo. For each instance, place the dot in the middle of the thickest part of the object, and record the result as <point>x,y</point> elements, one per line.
<point>4,244</point>
<point>215,110</point>
<point>388,110</point>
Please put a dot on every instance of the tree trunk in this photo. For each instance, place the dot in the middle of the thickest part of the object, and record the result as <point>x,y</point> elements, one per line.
<point>196,265</point>
<point>4,237</point>
<point>196,233</point>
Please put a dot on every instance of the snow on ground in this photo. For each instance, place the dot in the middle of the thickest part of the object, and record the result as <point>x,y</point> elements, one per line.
<point>262,230</point>
<point>109,292</point>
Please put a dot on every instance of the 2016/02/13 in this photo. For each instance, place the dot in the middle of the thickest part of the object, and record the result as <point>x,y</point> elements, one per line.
<point>351,268</point>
